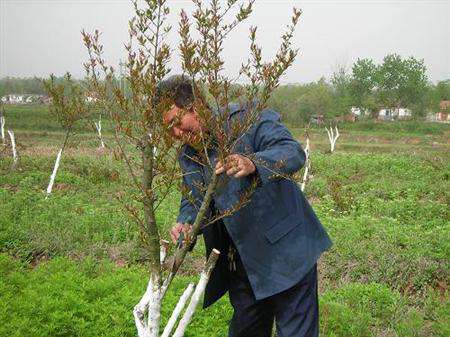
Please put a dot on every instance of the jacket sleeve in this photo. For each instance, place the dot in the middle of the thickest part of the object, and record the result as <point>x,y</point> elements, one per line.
<point>192,195</point>
<point>276,151</point>
<point>187,212</point>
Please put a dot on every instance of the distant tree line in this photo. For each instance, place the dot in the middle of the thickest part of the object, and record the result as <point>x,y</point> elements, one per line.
<point>15,85</point>
<point>28,85</point>
<point>395,82</point>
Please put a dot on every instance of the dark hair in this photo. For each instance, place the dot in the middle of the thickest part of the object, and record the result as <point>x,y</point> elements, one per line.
<point>177,89</point>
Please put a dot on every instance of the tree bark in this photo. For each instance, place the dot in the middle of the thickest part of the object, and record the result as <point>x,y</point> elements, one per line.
<point>2,129</point>
<point>98,126</point>
<point>199,289</point>
<point>56,166</point>
<point>14,148</point>
<point>178,308</point>
<point>150,241</point>
<point>332,137</point>
<point>307,165</point>
<point>181,253</point>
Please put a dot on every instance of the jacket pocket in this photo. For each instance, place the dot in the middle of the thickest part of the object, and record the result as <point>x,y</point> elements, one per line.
<point>282,227</point>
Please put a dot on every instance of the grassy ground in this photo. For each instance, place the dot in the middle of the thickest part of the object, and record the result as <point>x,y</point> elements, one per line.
<point>69,265</point>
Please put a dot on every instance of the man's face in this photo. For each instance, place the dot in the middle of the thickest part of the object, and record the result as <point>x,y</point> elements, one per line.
<point>184,125</point>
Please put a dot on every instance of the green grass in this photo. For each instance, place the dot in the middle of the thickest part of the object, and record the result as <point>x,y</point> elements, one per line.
<point>95,298</point>
<point>398,127</point>
<point>39,118</point>
<point>383,197</point>
<point>86,298</point>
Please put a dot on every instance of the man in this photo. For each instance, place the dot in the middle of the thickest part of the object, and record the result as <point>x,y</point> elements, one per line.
<point>271,245</point>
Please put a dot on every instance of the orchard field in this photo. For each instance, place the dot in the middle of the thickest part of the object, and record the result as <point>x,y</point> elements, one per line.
<point>69,267</point>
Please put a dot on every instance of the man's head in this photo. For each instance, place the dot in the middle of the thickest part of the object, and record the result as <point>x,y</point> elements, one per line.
<point>181,118</point>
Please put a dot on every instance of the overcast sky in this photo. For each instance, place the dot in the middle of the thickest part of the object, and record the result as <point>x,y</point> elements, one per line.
<point>39,37</point>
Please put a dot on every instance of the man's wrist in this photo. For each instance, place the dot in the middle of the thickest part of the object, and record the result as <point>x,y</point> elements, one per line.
<point>255,174</point>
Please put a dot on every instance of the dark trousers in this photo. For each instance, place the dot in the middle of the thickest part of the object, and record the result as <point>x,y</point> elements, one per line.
<point>296,310</point>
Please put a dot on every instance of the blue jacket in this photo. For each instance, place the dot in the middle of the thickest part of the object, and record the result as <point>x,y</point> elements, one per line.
<point>277,234</point>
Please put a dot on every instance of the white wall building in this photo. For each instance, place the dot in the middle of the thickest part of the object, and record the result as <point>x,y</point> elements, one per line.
<point>358,111</point>
<point>22,99</point>
<point>13,99</point>
<point>394,113</point>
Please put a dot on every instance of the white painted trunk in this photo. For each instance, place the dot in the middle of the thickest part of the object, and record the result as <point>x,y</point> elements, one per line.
<point>307,165</point>
<point>336,137</point>
<point>187,317</point>
<point>332,137</point>
<point>155,150</point>
<point>2,127</point>
<point>98,126</point>
<point>13,146</point>
<point>163,251</point>
<point>154,311</point>
<point>150,303</point>
<point>55,170</point>
<point>178,308</point>
<point>199,290</point>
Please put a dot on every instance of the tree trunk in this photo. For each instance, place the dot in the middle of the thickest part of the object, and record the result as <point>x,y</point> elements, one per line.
<point>150,241</point>
<point>307,164</point>
<point>2,129</point>
<point>199,290</point>
<point>56,166</point>
<point>14,149</point>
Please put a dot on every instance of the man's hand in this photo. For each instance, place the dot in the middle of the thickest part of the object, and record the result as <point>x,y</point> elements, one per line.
<point>178,229</point>
<point>236,165</point>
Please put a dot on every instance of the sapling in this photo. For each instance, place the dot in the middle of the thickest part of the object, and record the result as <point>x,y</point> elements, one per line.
<point>332,137</point>
<point>307,164</point>
<point>68,106</point>
<point>144,141</point>
<point>98,127</point>
<point>15,154</point>
<point>12,139</point>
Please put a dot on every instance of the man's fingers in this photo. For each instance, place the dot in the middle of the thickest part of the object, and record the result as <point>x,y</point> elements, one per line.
<point>179,229</point>
<point>226,165</point>
<point>173,236</point>
<point>175,232</point>
<point>219,167</point>
<point>235,165</point>
<point>186,229</point>
<point>241,173</point>
<point>234,170</point>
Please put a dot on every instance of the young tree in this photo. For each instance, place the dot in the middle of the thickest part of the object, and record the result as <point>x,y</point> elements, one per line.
<point>15,154</point>
<point>306,173</point>
<point>140,127</point>
<point>98,127</point>
<point>12,139</point>
<point>68,106</point>
<point>333,135</point>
